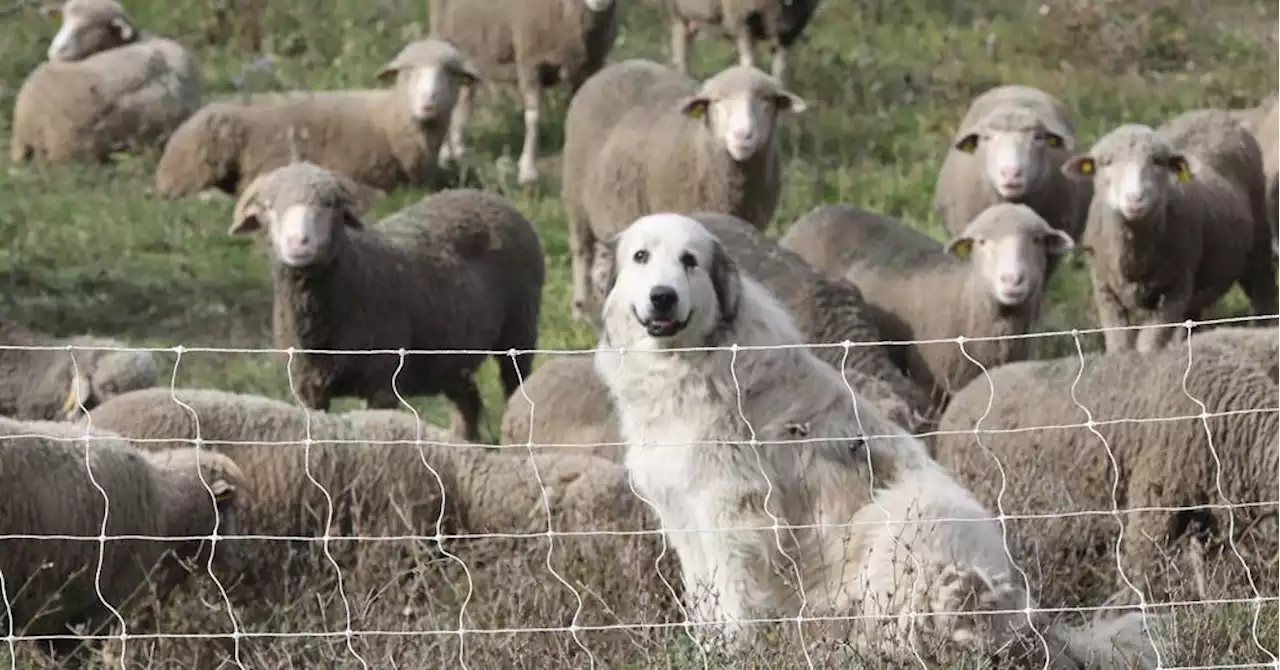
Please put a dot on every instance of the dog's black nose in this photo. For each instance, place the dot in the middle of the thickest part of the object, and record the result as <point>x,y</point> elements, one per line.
<point>663,298</point>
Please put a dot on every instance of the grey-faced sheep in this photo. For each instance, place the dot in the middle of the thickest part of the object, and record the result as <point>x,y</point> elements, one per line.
<point>106,87</point>
<point>1259,344</point>
<point>1010,147</point>
<point>987,281</point>
<point>52,483</point>
<point>1178,216</point>
<point>381,138</point>
<point>1151,439</point>
<point>828,310</point>
<point>827,237</point>
<point>641,138</point>
<point>535,43</point>
<point>388,475</point>
<point>459,270</point>
<point>51,382</point>
<point>746,22</point>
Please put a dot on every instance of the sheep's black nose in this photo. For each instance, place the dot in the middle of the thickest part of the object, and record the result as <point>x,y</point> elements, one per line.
<point>663,298</point>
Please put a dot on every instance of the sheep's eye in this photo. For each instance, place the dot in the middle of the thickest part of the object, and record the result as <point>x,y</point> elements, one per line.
<point>688,261</point>
<point>982,242</point>
<point>641,257</point>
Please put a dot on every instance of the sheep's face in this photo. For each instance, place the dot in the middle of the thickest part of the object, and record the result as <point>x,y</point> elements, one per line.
<point>432,91</point>
<point>299,235</point>
<point>1009,246</point>
<point>1016,149</point>
<point>672,284</point>
<point>212,494</point>
<point>1133,170</point>
<point>741,107</point>
<point>85,32</point>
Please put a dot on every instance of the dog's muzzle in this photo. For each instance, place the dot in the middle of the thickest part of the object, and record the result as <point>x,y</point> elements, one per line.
<point>662,322</point>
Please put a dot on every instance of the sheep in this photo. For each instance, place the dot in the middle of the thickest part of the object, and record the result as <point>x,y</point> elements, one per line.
<point>828,310</point>
<point>744,21</point>
<point>641,138</point>
<point>52,483</point>
<point>381,138</point>
<point>383,484</point>
<point>45,382</point>
<point>459,270</point>
<point>566,404</point>
<point>1066,431</point>
<point>828,236</point>
<point>1264,122</point>
<point>107,87</point>
<point>535,43</point>
<point>1177,217</point>
<point>1261,345</point>
<point>1010,147</point>
<point>987,281</point>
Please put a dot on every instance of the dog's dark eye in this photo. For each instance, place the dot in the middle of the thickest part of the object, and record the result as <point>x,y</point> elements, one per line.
<point>640,257</point>
<point>688,261</point>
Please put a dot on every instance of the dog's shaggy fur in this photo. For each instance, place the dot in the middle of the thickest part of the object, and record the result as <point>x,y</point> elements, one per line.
<point>706,424</point>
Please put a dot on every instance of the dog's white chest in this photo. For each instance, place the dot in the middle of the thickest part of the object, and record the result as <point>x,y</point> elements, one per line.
<point>661,463</point>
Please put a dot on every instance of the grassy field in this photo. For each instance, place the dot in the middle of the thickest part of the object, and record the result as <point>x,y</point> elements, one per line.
<point>87,249</point>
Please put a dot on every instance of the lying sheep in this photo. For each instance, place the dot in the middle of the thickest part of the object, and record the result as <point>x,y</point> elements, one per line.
<point>1178,216</point>
<point>389,475</point>
<point>107,87</point>
<point>381,138</point>
<point>50,383</point>
<point>745,22</point>
<point>1261,345</point>
<point>828,238</point>
<point>641,138</point>
<point>1010,147</point>
<point>46,489</point>
<point>459,270</point>
<point>988,281</point>
<point>828,310</point>
<point>535,43</point>
<point>1042,461</point>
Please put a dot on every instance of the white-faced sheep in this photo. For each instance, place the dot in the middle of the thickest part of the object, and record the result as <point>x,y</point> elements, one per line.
<point>1010,147</point>
<point>1178,216</point>
<point>387,475</point>
<point>828,311</point>
<point>459,270</point>
<point>52,483</point>
<point>381,138</point>
<point>107,87</point>
<point>47,378</point>
<point>1184,439</point>
<point>987,281</point>
<point>641,138</point>
<point>746,22</point>
<point>535,43</point>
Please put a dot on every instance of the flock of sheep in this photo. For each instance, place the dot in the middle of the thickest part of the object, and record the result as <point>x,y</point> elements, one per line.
<point>1171,218</point>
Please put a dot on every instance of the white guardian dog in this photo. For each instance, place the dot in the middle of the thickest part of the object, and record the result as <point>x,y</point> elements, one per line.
<point>849,519</point>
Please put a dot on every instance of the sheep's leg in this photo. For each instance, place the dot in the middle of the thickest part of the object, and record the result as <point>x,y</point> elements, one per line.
<point>532,95</point>
<point>514,369</point>
<point>681,38</point>
<point>467,406</point>
<point>454,147</point>
<point>1259,283</point>
<point>1111,316</point>
<point>781,58</point>
<point>1154,339</point>
<point>581,257</point>
<point>746,47</point>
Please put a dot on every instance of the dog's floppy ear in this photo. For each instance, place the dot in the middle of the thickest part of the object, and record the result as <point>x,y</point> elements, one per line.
<point>727,283</point>
<point>604,269</point>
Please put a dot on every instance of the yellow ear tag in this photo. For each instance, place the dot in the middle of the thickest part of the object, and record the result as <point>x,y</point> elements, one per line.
<point>1086,167</point>
<point>969,145</point>
<point>697,112</point>
<point>961,249</point>
<point>70,403</point>
<point>1184,174</point>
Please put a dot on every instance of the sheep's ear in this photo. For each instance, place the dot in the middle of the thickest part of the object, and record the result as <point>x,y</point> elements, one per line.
<point>1057,242</point>
<point>1180,166</point>
<point>470,75</point>
<point>727,282</point>
<point>387,73</point>
<point>1081,167</point>
<point>960,247</point>
<point>790,102</point>
<point>695,107</point>
<point>1055,140</point>
<point>968,143</point>
<point>247,217</point>
<point>51,10</point>
<point>223,490</point>
<point>123,29</point>
<point>604,271</point>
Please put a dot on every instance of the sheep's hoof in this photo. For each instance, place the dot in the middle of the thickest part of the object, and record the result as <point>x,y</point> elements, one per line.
<point>528,175</point>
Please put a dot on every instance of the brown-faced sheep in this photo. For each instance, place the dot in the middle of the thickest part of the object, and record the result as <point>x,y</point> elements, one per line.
<point>57,378</point>
<point>459,270</point>
<point>1178,216</point>
<point>53,483</point>
<point>989,281</point>
<point>746,22</point>
<point>107,87</point>
<point>1010,147</point>
<point>384,474</point>
<point>828,311</point>
<point>1176,436</point>
<point>642,138</point>
<point>535,43</point>
<point>381,138</point>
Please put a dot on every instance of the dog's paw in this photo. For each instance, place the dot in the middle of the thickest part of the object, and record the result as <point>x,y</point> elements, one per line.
<point>961,597</point>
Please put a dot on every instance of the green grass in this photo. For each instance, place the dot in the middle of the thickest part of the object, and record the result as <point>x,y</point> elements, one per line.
<point>87,249</point>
